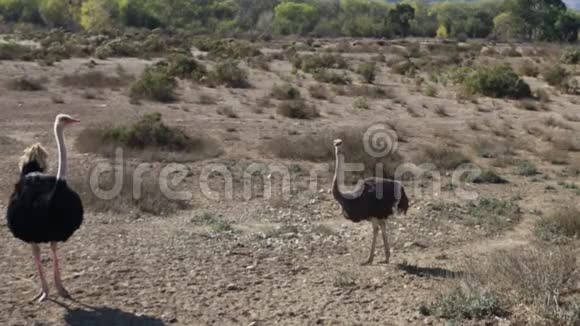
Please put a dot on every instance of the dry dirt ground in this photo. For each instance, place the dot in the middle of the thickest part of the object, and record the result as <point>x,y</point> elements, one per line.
<point>286,263</point>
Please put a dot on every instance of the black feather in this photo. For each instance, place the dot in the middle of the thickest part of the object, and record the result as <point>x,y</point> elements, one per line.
<point>43,209</point>
<point>373,198</point>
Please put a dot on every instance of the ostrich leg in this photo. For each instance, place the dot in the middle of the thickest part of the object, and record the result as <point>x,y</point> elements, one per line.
<point>373,244</point>
<point>383,225</point>
<point>57,279</point>
<point>43,295</point>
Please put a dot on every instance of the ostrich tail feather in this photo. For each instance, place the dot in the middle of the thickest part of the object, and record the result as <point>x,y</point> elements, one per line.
<point>34,159</point>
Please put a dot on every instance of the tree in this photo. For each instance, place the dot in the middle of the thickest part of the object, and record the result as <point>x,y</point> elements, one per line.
<point>539,17</point>
<point>138,13</point>
<point>400,18</point>
<point>99,15</point>
<point>56,13</point>
<point>295,18</point>
<point>20,11</point>
<point>425,22</point>
<point>508,26</point>
<point>567,26</point>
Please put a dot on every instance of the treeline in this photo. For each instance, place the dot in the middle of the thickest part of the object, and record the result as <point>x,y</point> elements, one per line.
<point>541,20</point>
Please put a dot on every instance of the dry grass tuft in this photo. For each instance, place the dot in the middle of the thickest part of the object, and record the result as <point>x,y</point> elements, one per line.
<point>559,227</point>
<point>298,109</point>
<point>442,156</point>
<point>26,84</point>
<point>540,278</point>
<point>318,148</point>
<point>319,92</point>
<point>135,195</point>
<point>94,79</point>
<point>555,156</point>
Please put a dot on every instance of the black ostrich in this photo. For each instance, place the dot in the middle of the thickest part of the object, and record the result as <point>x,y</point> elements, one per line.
<point>374,200</point>
<point>42,208</point>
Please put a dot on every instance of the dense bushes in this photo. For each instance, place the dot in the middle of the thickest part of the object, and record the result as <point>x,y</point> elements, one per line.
<point>532,19</point>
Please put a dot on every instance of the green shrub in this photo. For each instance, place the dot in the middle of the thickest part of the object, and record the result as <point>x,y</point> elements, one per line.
<point>298,109</point>
<point>489,176</point>
<point>154,84</point>
<point>368,71</point>
<point>556,75</point>
<point>571,56</point>
<point>527,168</point>
<point>226,49</point>
<point>119,48</point>
<point>185,67</point>
<point>460,304</point>
<point>361,103</point>
<point>228,73</point>
<point>332,77</point>
<point>405,67</point>
<point>285,92</point>
<point>493,214</point>
<point>497,81</point>
<point>313,62</point>
<point>14,51</point>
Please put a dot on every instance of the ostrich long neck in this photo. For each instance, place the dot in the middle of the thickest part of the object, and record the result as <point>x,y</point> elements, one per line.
<point>58,132</point>
<point>337,170</point>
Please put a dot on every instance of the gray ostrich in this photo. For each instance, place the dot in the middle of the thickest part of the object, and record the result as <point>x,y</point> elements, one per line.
<point>374,200</point>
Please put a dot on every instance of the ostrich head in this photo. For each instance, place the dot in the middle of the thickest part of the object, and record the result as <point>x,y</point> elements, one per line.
<point>63,120</point>
<point>337,145</point>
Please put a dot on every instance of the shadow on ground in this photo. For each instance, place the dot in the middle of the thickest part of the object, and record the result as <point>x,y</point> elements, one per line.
<point>105,316</point>
<point>429,271</point>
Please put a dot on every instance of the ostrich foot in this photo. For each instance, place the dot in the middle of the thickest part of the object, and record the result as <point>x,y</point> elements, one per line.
<point>385,262</point>
<point>63,292</point>
<point>41,297</point>
<point>367,263</point>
